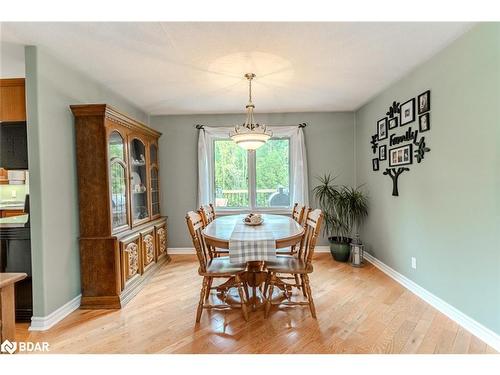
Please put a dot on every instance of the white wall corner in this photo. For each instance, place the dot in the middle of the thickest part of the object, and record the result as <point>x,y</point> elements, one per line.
<point>488,336</point>
<point>43,323</point>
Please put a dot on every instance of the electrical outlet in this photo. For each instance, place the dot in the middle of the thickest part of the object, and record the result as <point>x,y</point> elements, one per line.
<point>414,263</point>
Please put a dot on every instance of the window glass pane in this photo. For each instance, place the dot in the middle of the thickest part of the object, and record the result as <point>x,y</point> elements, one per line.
<point>272,163</point>
<point>138,181</point>
<point>231,175</point>
<point>155,191</point>
<point>116,146</point>
<point>153,154</point>
<point>118,195</point>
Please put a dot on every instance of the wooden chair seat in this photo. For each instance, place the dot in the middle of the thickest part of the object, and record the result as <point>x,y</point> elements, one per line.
<point>289,264</point>
<point>222,267</point>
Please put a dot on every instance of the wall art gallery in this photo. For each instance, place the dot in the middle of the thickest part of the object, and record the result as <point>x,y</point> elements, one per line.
<point>399,140</point>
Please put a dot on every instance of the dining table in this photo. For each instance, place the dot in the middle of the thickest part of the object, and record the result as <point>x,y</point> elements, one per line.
<point>285,231</point>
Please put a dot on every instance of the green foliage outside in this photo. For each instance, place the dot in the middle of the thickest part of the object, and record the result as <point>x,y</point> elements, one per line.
<point>231,171</point>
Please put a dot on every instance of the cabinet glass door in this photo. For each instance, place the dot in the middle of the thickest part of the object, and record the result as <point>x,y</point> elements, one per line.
<point>155,184</point>
<point>155,191</point>
<point>118,180</point>
<point>138,181</point>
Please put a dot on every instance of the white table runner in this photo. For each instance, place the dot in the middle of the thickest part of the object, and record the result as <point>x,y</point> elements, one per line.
<point>250,243</point>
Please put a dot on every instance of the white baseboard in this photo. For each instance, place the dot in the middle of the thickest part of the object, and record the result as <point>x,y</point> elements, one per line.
<point>181,250</point>
<point>190,250</point>
<point>43,323</point>
<point>322,249</point>
<point>488,336</point>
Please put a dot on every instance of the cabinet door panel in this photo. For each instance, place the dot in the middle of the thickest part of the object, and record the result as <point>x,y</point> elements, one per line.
<point>131,261</point>
<point>13,103</point>
<point>148,249</point>
<point>118,181</point>
<point>161,240</point>
<point>154,185</point>
<point>138,181</point>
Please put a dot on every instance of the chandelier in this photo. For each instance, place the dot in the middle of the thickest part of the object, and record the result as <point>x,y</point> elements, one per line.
<point>250,135</point>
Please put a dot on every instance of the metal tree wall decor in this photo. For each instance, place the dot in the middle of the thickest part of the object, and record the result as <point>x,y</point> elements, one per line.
<point>394,174</point>
<point>400,143</point>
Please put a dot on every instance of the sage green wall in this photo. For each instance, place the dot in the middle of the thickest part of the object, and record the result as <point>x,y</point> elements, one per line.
<point>329,141</point>
<point>447,214</point>
<point>51,88</point>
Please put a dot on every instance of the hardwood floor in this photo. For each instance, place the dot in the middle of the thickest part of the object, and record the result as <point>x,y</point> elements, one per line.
<point>360,310</point>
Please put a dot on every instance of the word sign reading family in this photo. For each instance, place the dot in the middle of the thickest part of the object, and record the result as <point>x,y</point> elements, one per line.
<point>404,151</point>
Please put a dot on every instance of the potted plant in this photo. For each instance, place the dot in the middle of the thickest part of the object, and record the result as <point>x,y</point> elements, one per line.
<point>343,208</point>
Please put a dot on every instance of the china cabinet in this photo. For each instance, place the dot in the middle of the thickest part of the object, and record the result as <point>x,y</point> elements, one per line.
<point>123,237</point>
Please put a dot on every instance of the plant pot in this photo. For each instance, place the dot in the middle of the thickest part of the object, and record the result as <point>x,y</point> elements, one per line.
<point>340,249</point>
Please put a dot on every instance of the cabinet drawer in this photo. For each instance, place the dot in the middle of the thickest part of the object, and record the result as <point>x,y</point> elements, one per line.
<point>161,240</point>
<point>148,248</point>
<point>131,260</point>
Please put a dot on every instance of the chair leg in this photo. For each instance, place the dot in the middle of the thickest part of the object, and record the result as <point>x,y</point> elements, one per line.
<point>309,296</point>
<point>297,281</point>
<point>242,298</point>
<point>202,298</point>
<point>247,292</point>
<point>304,291</point>
<point>269,295</point>
<point>207,294</point>
<point>266,284</point>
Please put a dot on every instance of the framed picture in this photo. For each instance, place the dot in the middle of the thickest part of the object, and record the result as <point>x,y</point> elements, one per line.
<point>407,114</point>
<point>401,155</point>
<point>382,152</point>
<point>382,128</point>
<point>393,123</point>
<point>424,102</point>
<point>375,164</point>
<point>424,122</point>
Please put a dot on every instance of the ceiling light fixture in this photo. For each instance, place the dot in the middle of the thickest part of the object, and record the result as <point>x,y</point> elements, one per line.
<point>250,135</point>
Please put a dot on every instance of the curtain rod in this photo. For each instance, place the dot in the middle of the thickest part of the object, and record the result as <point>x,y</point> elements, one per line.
<point>199,126</point>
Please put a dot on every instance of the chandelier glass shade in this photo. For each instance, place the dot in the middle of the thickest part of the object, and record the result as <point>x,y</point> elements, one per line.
<point>250,135</point>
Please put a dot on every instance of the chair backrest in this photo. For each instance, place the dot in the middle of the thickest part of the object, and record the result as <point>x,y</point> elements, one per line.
<point>195,225</point>
<point>312,229</point>
<point>298,213</point>
<point>207,213</point>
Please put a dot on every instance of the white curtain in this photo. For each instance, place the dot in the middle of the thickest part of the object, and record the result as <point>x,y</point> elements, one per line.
<point>298,159</point>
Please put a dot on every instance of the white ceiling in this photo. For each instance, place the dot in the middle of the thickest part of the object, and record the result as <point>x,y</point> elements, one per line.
<point>174,68</point>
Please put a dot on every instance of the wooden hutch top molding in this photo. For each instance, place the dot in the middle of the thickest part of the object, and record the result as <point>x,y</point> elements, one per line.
<point>113,115</point>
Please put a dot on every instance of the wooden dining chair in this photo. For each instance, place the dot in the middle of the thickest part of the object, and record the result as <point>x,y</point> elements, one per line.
<point>214,268</point>
<point>299,212</point>
<point>299,266</point>
<point>207,213</point>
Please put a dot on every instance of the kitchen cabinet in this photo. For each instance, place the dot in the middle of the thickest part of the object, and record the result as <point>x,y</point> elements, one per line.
<point>11,213</point>
<point>13,145</point>
<point>12,100</point>
<point>123,237</point>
